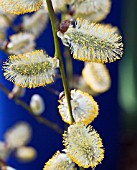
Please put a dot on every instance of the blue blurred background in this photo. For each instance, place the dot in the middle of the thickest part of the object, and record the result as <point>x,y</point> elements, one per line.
<point>116,122</point>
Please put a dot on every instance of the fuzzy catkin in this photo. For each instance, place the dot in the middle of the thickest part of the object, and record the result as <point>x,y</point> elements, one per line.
<point>93,42</point>
<point>31,70</point>
<point>21,6</point>
<point>83,145</point>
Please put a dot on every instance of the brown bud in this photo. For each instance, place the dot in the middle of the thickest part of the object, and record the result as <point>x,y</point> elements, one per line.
<point>64,26</point>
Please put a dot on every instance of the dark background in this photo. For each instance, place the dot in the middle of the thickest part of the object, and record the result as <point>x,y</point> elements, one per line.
<point>116,122</point>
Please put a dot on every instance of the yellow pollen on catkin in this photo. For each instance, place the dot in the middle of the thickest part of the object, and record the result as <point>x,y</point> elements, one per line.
<point>92,10</point>
<point>59,161</point>
<point>93,42</point>
<point>83,145</point>
<point>31,70</point>
<point>84,107</point>
<point>97,77</point>
<point>21,6</point>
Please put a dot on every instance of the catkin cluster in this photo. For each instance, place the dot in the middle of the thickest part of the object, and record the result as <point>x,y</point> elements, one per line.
<point>89,41</point>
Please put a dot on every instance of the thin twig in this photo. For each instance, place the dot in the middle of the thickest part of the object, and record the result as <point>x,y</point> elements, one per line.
<point>56,92</point>
<point>58,76</point>
<point>39,118</point>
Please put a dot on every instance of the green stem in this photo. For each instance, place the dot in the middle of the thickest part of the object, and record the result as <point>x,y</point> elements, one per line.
<point>59,55</point>
<point>69,66</point>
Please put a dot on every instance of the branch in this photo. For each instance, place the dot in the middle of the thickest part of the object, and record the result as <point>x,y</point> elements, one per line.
<point>39,118</point>
<point>58,54</point>
<point>69,66</point>
<point>50,89</point>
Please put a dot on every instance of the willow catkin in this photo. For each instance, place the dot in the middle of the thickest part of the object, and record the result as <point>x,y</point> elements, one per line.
<point>31,70</point>
<point>84,107</point>
<point>36,23</point>
<point>97,77</point>
<point>84,145</point>
<point>92,42</point>
<point>21,6</point>
<point>59,161</point>
<point>21,43</point>
<point>92,10</point>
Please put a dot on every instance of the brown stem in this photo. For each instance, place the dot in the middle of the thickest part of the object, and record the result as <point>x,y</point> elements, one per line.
<point>39,118</point>
<point>56,92</point>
